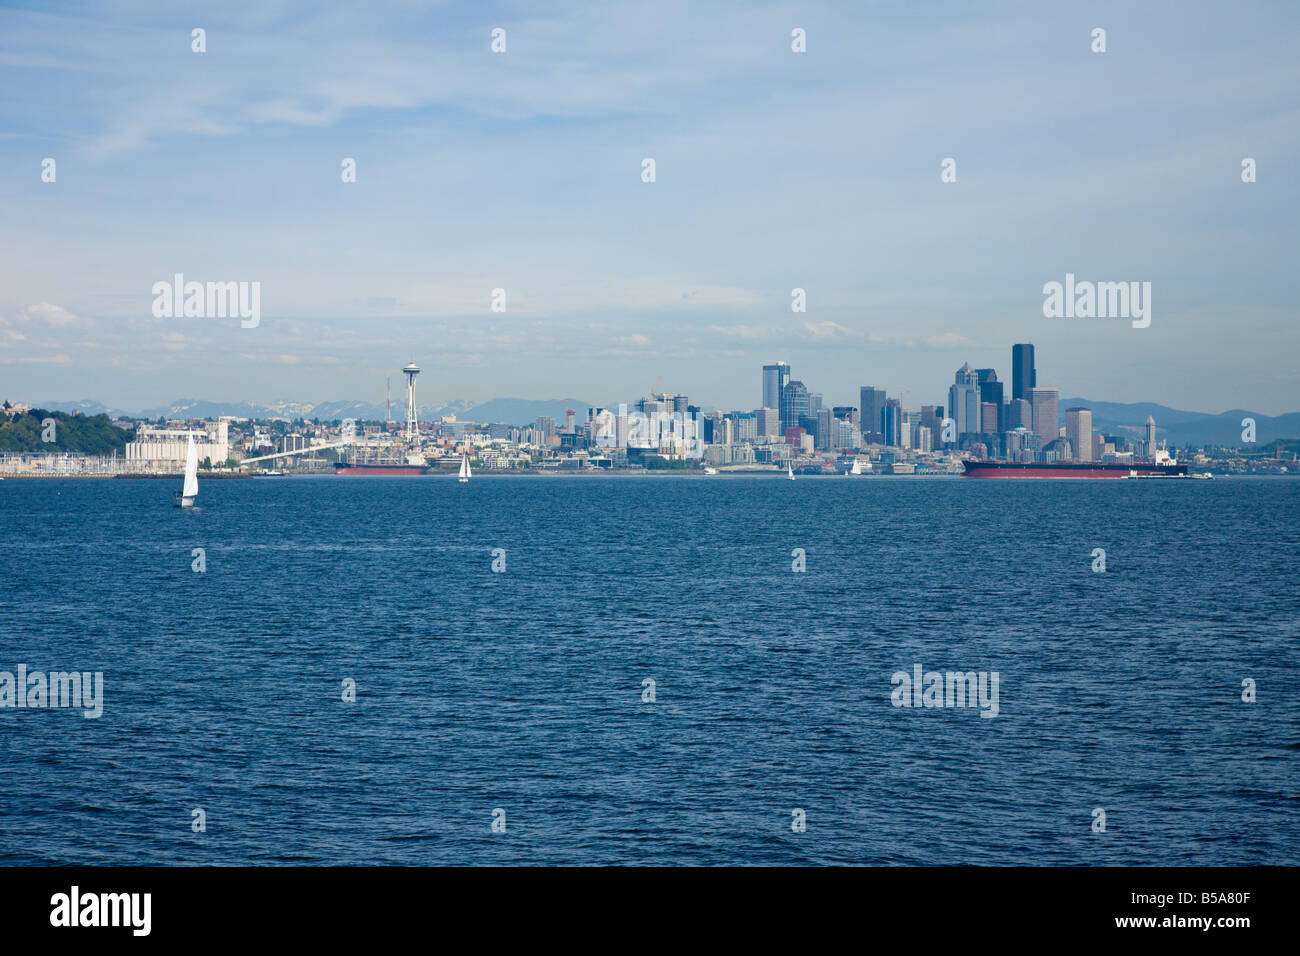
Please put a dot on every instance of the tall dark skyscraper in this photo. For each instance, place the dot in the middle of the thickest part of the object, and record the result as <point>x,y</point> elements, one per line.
<point>1023,374</point>
<point>870,402</point>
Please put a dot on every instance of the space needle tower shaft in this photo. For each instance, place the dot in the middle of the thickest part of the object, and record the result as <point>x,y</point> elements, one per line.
<point>412,419</point>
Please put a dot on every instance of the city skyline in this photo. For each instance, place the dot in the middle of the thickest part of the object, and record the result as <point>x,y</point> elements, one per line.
<point>477,171</point>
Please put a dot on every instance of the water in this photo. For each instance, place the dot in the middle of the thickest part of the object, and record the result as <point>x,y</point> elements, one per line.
<point>522,690</point>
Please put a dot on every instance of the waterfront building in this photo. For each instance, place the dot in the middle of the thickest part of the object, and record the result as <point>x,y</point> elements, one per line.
<point>169,445</point>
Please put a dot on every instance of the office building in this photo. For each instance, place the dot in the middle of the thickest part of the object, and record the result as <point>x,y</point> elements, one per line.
<point>891,420</point>
<point>775,378</point>
<point>1023,375</point>
<point>794,404</point>
<point>768,422</point>
<point>1019,414</point>
<point>1044,410</point>
<point>1078,432</point>
<point>871,401</point>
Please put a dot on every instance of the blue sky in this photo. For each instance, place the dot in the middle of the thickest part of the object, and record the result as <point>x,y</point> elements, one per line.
<point>521,170</point>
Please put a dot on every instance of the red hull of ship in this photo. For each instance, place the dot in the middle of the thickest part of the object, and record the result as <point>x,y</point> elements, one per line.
<point>1004,469</point>
<point>367,471</point>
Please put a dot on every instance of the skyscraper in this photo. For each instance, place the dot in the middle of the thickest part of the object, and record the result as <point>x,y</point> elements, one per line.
<point>1045,405</point>
<point>794,404</point>
<point>964,401</point>
<point>775,378</point>
<point>1078,432</point>
<point>1020,414</point>
<point>891,420</point>
<point>1023,374</point>
<point>991,394</point>
<point>989,418</point>
<point>825,434</point>
<point>871,401</point>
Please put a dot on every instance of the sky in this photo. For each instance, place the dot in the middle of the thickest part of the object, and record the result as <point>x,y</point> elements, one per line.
<point>522,170</point>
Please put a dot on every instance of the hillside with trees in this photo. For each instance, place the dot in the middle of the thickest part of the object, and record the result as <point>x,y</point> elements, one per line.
<point>96,435</point>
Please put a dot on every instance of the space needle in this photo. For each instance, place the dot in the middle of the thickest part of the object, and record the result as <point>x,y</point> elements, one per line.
<point>412,421</point>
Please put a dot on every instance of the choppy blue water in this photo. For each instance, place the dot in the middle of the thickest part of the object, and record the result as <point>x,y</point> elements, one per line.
<point>522,690</point>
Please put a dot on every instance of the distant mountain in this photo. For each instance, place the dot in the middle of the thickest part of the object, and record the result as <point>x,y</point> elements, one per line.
<point>1184,428</point>
<point>519,411</point>
<point>198,408</point>
<point>513,411</point>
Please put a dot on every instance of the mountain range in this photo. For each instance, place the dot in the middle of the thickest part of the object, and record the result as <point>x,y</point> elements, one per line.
<point>1113,418</point>
<point>515,411</point>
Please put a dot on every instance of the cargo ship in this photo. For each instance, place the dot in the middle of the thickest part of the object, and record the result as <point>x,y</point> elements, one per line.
<point>1074,469</point>
<point>347,468</point>
<point>415,464</point>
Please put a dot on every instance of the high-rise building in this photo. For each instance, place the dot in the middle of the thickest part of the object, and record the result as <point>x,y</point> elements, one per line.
<point>1078,432</point>
<point>824,434</point>
<point>988,418</point>
<point>932,418</point>
<point>1023,374</point>
<point>1020,414</point>
<point>871,401</point>
<point>845,413</point>
<point>891,420</point>
<point>794,404</point>
<point>1151,438</point>
<point>991,394</point>
<point>775,378</point>
<point>746,425</point>
<point>768,422</point>
<point>1045,405</point>
<point>964,401</point>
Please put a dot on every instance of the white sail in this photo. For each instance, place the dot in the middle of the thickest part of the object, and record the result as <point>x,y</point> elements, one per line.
<point>464,468</point>
<point>191,469</point>
<point>857,467</point>
<point>789,471</point>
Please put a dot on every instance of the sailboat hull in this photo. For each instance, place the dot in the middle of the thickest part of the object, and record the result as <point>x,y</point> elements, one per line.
<point>183,501</point>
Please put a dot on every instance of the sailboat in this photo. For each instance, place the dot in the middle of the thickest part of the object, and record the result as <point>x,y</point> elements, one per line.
<point>856,469</point>
<point>190,490</point>
<point>789,471</point>
<point>464,468</point>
